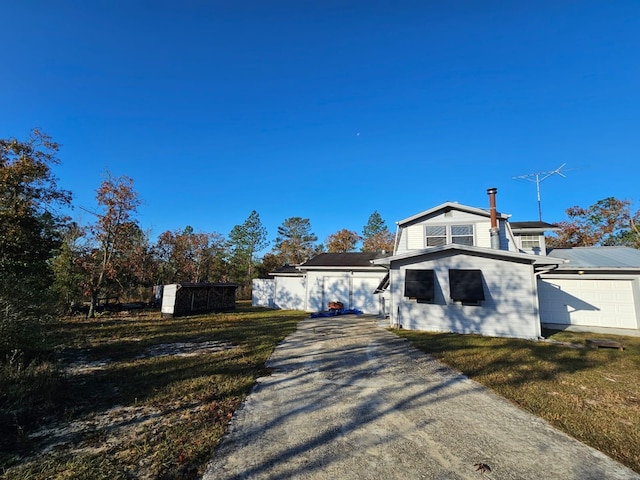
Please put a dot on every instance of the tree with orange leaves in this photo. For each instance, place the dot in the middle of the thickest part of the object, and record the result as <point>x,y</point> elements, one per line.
<point>342,241</point>
<point>117,204</point>
<point>607,222</point>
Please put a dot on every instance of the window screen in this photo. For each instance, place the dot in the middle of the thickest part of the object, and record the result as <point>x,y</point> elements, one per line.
<point>462,234</point>
<point>436,235</point>
<point>419,284</point>
<point>466,285</point>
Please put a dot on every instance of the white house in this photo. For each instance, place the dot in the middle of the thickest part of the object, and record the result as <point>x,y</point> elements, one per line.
<point>463,269</point>
<point>460,269</point>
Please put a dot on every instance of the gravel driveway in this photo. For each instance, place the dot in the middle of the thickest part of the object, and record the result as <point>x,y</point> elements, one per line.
<point>349,400</point>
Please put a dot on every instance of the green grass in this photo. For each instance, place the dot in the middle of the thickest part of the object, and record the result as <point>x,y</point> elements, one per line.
<point>591,394</point>
<point>162,416</point>
<point>140,416</point>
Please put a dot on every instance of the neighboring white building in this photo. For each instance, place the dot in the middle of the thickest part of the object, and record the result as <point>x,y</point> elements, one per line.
<point>349,278</point>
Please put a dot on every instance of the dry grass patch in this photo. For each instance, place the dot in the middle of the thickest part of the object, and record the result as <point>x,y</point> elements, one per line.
<point>591,394</point>
<point>145,397</point>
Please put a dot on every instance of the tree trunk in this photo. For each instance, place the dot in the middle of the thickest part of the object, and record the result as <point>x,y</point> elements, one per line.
<point>92,306</point>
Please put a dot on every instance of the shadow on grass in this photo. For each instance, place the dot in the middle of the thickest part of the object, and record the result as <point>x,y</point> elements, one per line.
<point>127,375</point>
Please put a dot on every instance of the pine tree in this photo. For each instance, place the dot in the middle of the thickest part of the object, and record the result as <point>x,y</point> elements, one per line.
<point>295,240</point>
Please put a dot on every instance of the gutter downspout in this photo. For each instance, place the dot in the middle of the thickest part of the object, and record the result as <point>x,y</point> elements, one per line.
<point>395,241</point>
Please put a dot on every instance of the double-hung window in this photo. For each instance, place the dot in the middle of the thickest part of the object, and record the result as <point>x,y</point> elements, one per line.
<point>438,235</point>
<point>462,234</point>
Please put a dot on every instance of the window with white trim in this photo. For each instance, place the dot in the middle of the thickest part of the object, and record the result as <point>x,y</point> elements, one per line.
<point>439,235</point>
<point>436,235</point>
<point>462,234</point>
<point>530,241</point>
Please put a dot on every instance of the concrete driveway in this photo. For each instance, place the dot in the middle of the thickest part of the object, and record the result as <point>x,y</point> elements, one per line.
<point>350,400</point>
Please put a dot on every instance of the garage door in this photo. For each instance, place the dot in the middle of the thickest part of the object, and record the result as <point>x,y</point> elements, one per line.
<point>336,289</point>
<point>362,295</point>
<point>587,302</point>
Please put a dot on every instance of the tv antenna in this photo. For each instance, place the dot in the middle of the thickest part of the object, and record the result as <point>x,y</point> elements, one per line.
<point>539,177</point>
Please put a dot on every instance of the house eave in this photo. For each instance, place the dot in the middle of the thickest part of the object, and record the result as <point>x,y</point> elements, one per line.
<point>345,268</point>
<point>450,206</point>
<point>485,252</point>
<point>566,268</point>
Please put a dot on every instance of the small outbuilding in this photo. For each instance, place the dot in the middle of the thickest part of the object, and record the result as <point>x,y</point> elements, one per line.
<point>191,298</point>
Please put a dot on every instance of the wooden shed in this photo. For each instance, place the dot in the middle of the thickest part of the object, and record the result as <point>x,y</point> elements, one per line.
<point>191,298</point>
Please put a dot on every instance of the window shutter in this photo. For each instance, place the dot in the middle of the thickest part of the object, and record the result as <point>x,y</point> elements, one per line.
<point>419,284</point>
<point>466,285</point>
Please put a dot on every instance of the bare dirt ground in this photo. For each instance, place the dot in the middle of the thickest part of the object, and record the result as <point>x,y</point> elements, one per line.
<point>120,425</point>
<point>350,400</point>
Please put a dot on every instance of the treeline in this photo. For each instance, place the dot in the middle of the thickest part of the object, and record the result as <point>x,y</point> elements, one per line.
<point>608,222</point>
<point>50,263</point>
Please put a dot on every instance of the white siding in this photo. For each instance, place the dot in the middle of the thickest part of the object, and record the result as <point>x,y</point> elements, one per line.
<point>589,302</point>
<point>483,236</point>
<point>290,293</point>
<point>412,237</point>
<point>510,308</point>
<point>415,237</point>
<point>262,292</point>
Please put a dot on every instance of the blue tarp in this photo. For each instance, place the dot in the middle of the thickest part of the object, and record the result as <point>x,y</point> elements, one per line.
<point>335,313</point>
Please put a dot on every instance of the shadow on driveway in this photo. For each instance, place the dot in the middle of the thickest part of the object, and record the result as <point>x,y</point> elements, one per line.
<point>349,400</point>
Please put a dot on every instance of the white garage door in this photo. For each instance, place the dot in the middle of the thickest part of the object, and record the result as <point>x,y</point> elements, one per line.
<point>587,302</point>
<point>362,295</point>
<point>336,289</point>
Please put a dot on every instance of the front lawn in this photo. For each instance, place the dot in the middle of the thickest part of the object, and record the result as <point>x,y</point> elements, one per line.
<point>134,396</point>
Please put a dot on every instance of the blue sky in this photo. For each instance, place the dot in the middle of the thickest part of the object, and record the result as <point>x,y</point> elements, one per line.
<point>328,109</point>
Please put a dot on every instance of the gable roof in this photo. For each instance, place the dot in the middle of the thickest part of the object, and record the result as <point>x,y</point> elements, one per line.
<point>286,270</point>
<point>342,260</point>
<point>455,249</point>
<point>448,206</point>
<point>597,257</point>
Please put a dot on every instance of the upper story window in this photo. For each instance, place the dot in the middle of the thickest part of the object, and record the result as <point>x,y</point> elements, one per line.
<point>462,234</point>
<point>438,235</point>
<point>530,242</point>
